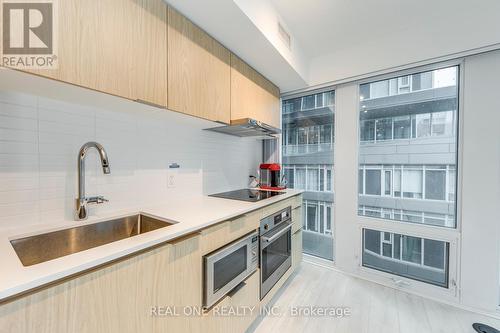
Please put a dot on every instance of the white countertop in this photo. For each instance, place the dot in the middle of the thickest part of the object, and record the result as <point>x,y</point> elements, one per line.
<point>191,214</point>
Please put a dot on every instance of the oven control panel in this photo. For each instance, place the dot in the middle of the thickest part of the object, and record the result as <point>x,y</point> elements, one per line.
<point>273,220</point>
<point>254,249</point>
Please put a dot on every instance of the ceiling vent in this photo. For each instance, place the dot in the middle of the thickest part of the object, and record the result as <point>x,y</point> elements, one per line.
<point>285,36</point>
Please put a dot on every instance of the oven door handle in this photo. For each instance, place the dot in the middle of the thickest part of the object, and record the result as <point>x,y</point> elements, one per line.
<point>277,235</point>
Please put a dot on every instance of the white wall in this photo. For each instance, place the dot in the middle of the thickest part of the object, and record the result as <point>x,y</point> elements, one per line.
<point>481,182</point>
<point>40,138</point>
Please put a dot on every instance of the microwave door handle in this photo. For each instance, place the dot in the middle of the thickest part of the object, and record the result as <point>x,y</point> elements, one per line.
<point>277,235</point>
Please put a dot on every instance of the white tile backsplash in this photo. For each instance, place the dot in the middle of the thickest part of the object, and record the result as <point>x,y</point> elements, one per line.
<point>40,139</point>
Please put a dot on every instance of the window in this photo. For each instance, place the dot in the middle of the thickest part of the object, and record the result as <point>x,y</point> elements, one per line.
<point>387,182</point>
<point>384,129</point>
<point>372,185</point>
<point>308,102</point>
<point>312,214</point>
<point>423,125</point>
<point>300,181</point>
<point>408,133</point>
<point>367,130</point>
<point>451,184</point>
<point>289,175</point>
<point>329,180</point>
<point>435,184</point>
<point>404,84</point>
<point>412,183</point>
<point>312,179</point>
<point>416,258</point>
<point>402,127</point>
<point>307,158</point>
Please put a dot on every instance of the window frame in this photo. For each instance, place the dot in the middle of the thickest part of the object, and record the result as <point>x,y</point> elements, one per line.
<point>450,235</point>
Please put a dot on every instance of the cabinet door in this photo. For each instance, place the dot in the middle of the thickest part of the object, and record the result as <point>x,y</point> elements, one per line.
<point>114,46</point>
<point>296,249</point>
<point>199,71</point>
<point>297,219</point>
<point>252,95</point>
<point>118,297</point>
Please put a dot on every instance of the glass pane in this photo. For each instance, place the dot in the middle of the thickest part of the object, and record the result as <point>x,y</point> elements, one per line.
<point>402,127</point>
<point>372,240</point>
<point>427,263</point>
<point>384,129</point>
<point>412,184</point>
<point>360,181</point>
<point>435,184</point>
<point>372,185</point>
<point>420,112</point>
<point>308,102</point>
<point>229,267</point>
<point>387,183</point>
<point>434,255</point>
<point>274,255</point>
<point>368,130</point>
<point>412,249</point>
<point>311,217</point>
<point>312,180</point>
<point>387,250</point>
<point>312,149</point>
<point>300,182</point>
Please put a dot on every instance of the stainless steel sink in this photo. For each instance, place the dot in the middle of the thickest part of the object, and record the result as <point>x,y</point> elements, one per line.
<point>44,247</point>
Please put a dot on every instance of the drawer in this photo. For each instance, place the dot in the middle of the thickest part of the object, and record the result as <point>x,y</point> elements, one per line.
<point>242,298</point>
<point>294,202</point>
<point>224,233</point>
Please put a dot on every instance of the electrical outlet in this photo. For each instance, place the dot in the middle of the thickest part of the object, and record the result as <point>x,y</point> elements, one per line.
<point>171,178</point>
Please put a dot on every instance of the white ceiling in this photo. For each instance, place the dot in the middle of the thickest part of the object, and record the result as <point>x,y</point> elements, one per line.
<point>339,39</point>
<point>346,38</point>
<point>325,26</point>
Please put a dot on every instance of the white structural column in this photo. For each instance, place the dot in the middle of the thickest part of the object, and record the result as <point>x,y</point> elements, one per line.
<point>481,182</point>
<point>346,178</point>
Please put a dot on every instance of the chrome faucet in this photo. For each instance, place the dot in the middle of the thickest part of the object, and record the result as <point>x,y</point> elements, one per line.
<point>82,201</point>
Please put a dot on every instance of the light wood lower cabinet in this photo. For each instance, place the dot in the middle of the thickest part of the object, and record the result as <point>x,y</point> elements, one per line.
<point>149,291</point>
<point>245,300</point>
<point>117,298</point>
<point>296,249</point>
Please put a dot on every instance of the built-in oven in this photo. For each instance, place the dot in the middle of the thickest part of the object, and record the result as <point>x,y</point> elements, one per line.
<point>275,248</point>
<point>225,268</point>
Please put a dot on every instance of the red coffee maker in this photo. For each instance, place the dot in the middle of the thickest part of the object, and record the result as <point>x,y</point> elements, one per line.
<point>270,176</point>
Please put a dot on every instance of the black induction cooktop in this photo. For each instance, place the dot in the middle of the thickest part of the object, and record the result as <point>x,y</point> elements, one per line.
<point>247,195</point>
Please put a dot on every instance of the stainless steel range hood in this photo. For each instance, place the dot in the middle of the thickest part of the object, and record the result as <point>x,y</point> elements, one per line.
<point>247,127</point>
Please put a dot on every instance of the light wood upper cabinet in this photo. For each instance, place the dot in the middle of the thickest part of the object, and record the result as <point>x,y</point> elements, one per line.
<point>198,71</point>
<point>114,46</point>
<point>252,95</point>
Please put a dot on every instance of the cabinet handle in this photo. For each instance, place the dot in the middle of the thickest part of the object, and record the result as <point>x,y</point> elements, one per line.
<point>183,238</point>
<point>150,103</point>
<point>236,289</point>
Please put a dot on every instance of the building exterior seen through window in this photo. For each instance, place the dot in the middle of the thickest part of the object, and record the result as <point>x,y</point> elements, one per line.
<point>308,137</point>
<point>408,133</point>
<point>417,258</point>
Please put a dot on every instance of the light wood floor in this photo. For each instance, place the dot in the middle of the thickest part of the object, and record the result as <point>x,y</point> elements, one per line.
<point>375,308</point>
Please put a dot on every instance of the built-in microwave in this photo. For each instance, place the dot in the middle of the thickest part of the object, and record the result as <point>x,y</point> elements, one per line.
<point>225,268</point>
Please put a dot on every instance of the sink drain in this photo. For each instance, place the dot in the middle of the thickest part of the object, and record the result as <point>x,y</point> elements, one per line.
<point>482,328</point>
